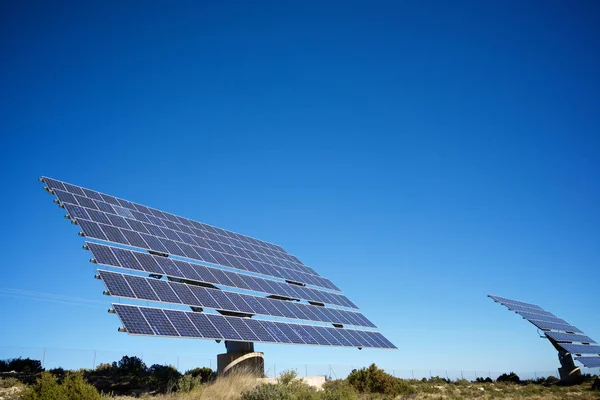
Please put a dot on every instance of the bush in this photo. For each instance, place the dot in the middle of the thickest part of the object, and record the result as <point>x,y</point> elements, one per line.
<point>163,377</point>
<point>76,388</point>
<point>73,388</point>
<point>596,384</point>
<point>511,377</point>
<point>288,387</point>
<point>188,382</point>
<point>482,380</point>
<point>130,365</point>
<point>205,374</point>
<point>24,365</point>
<point>339,389</point>
<point>9,382</point>
<point>376,380</point>
<point>45,388</point>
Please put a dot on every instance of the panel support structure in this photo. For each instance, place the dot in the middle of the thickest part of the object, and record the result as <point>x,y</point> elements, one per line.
<point>568,371</point>
<point>241,356</point>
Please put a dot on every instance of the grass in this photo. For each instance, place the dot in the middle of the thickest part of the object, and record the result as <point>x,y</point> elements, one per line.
<point>234,386</point>
<point>239,385</point>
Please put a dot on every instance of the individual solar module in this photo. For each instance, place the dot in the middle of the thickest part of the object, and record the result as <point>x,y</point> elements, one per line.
<point>196,240</point>
<point>589,362</point>
<point>221,267</point>
<point>560,332</point>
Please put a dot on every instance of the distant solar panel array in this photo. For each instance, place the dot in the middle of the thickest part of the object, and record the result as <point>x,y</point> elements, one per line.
<point>565,335</point>
<point>255,291</point>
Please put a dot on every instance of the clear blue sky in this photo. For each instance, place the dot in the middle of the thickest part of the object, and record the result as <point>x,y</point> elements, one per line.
<point>419,154</point>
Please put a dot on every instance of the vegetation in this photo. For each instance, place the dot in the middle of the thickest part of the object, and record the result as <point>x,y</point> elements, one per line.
<point>130,377</point>
<point>74,387</point>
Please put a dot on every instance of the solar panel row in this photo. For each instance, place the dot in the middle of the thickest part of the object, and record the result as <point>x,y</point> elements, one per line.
<point>507,302</point>
<point>172,323</point>
<point>515,308</point>
<point>193,248</point>
<point>107,218</point>
<point>158,265</point>
<point>590,362</point>
<point>565,337</point>
<point>568,337</point>
<point>580,348</point>
<point>137,287</point>
<point>121,203</point>
<point>545,325</point>
<point>541,317</point>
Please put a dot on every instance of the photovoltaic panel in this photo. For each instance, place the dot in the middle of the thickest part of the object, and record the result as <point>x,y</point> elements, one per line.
<point>129,259</point>
<point>133,319</point>
<point>159,322</point>
<point>590,362</point>
<point>223,246</point>
<point>182,323</point>
<point>505,301</point>
<point>580,348</point>
<point>568,337</point>
<point>540,317</point>
<point>545,325</point>
<point>242,264</point>
<point>556,330</point>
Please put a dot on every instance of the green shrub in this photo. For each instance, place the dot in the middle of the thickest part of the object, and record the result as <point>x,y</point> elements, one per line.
<point>45,388</point>
<point>24,365</point>
<point>205,374</point>
<point>376,380</point>
<point>163,378</point>
<point>188,382</point>
<point>596,384</point>
<point>288,387</point>
<point>339,389</point>
<point>267,391</point>
<point>76,388</point>
<point>9,382</point>
<point>510,377</point>
<point>130,365</point>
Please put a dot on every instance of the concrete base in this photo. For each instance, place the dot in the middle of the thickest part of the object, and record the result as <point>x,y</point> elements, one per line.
<point>253,363</point>
<point>241,356</point>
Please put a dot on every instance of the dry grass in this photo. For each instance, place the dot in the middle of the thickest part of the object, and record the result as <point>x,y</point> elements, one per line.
<point>233,386</point>
<point>230,387</point>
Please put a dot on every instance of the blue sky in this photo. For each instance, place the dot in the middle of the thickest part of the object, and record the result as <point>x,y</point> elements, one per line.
<point>421,155</point>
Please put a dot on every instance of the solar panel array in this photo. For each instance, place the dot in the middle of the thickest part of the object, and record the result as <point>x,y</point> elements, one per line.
<point>109,218</point>
<point>238,288</point>
<point>565,335</point>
